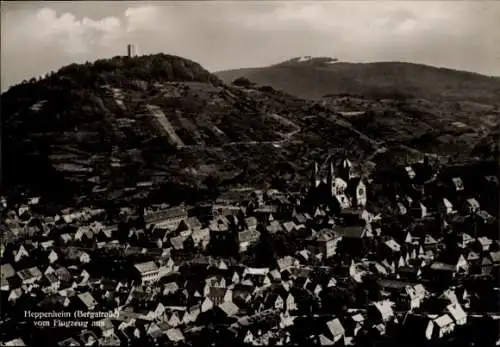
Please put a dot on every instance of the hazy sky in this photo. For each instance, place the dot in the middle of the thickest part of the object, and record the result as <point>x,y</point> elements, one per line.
<point>37,37</point>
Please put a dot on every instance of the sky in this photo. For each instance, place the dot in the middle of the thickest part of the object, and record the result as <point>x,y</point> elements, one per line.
<point>39,37</point>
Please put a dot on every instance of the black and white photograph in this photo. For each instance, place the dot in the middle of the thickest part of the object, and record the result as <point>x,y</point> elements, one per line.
<point>205,173</point>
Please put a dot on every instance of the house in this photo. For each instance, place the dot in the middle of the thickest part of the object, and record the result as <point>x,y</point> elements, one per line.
<point>392,248</point>
<point>471,206</point>
<point>165,218</point>
<point>53,282</point>
<point>484,243</point>
<point>105,327</point>
<point>430,243</point>
<point>147,272</point>
<point>401,208</point>
<point>334,333</point>
<point>20,253</point>
<point>251,223</point>
<point>458,184</point>
<point>87,301</point>
<point>6,272</point>
<point>410,173</point>
<point>440,327</point>
<point>174,335</point>
<point>274,301</point>
<point>417,294</point>
<point>69,342</point>
<point>88,338</point>
<point>30,276</point>
<point>486,266</point>
<point>382,310</point>
<point>274,227</point>
<point>445,206</point>
<point>289,226</point>
<point>485,217</point>
<point>495,258</point>
<point>14,342</point>
<point>325,242</point>
<point>285,263</point>
<point>219,224</point>
<point>418,210</point>
<point>464,240</point>
<point>442,271</point>
<point>353,237</point>
<point>458,314</point>
<point>216,295</point>
<point>193,223</point>
<point>246,238</point>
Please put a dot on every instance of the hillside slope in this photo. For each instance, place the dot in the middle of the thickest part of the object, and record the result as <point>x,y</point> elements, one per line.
<point>416,108</point>
<point>314,78</point>
<point>118,129</point>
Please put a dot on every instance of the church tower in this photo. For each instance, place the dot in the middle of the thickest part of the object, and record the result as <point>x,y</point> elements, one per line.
<point>345,169</point>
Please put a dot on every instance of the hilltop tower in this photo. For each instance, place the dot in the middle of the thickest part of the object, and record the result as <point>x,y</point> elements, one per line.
<point>131,50</point>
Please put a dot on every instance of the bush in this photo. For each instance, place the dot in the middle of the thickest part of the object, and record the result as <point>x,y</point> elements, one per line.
<point>242,82</point>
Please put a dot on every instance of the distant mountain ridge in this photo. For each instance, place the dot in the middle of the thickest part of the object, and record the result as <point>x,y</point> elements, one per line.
<point>315,77</point>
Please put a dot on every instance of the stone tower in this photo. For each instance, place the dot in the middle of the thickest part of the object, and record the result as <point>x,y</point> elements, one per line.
<point>131,51</point>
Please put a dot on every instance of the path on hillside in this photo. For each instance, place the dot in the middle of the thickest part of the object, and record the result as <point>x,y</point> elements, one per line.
<point>286,137</point>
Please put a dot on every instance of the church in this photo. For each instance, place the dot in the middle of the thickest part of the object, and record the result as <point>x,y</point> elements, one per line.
<point>341,188</point>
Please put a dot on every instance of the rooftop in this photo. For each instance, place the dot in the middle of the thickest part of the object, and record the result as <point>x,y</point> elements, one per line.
<point>146,267</point>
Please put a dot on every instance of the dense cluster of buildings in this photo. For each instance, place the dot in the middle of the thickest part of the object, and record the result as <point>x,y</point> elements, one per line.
<point>259,267</point>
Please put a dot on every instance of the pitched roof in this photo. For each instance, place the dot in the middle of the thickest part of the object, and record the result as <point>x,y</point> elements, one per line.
<point>447,203</point>
<point>248,235</point>
<point>7,271</point>
<point>178,242</point>
<point>385,308</point>
<point>473,203</point>
<point>27,274</point>
<point>335,326</point>
<point>456,311</point>
<point>351,232</point>
<point>429,240</point>
<point>393,245</point>
<point>87,299</point>
<point>251,222</point>
<point>285,262</point>
<point>443,321</point>
<point>146,267</point>
<point>274,227</point>
<point>289,226</point>
<point>326,235</point>
<point>15,342</point>
<point>254,271</point>
<point>485,215</point>
<point>495,256</point>
<point>174,335</point>
<point>440,266</point>
<point>459,184</point>
<point>229,308</point>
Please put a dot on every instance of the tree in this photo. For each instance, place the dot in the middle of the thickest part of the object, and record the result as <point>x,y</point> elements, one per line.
<point>242,82</point>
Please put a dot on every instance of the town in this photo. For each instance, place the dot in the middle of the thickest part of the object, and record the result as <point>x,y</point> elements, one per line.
<point>409,256</point>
